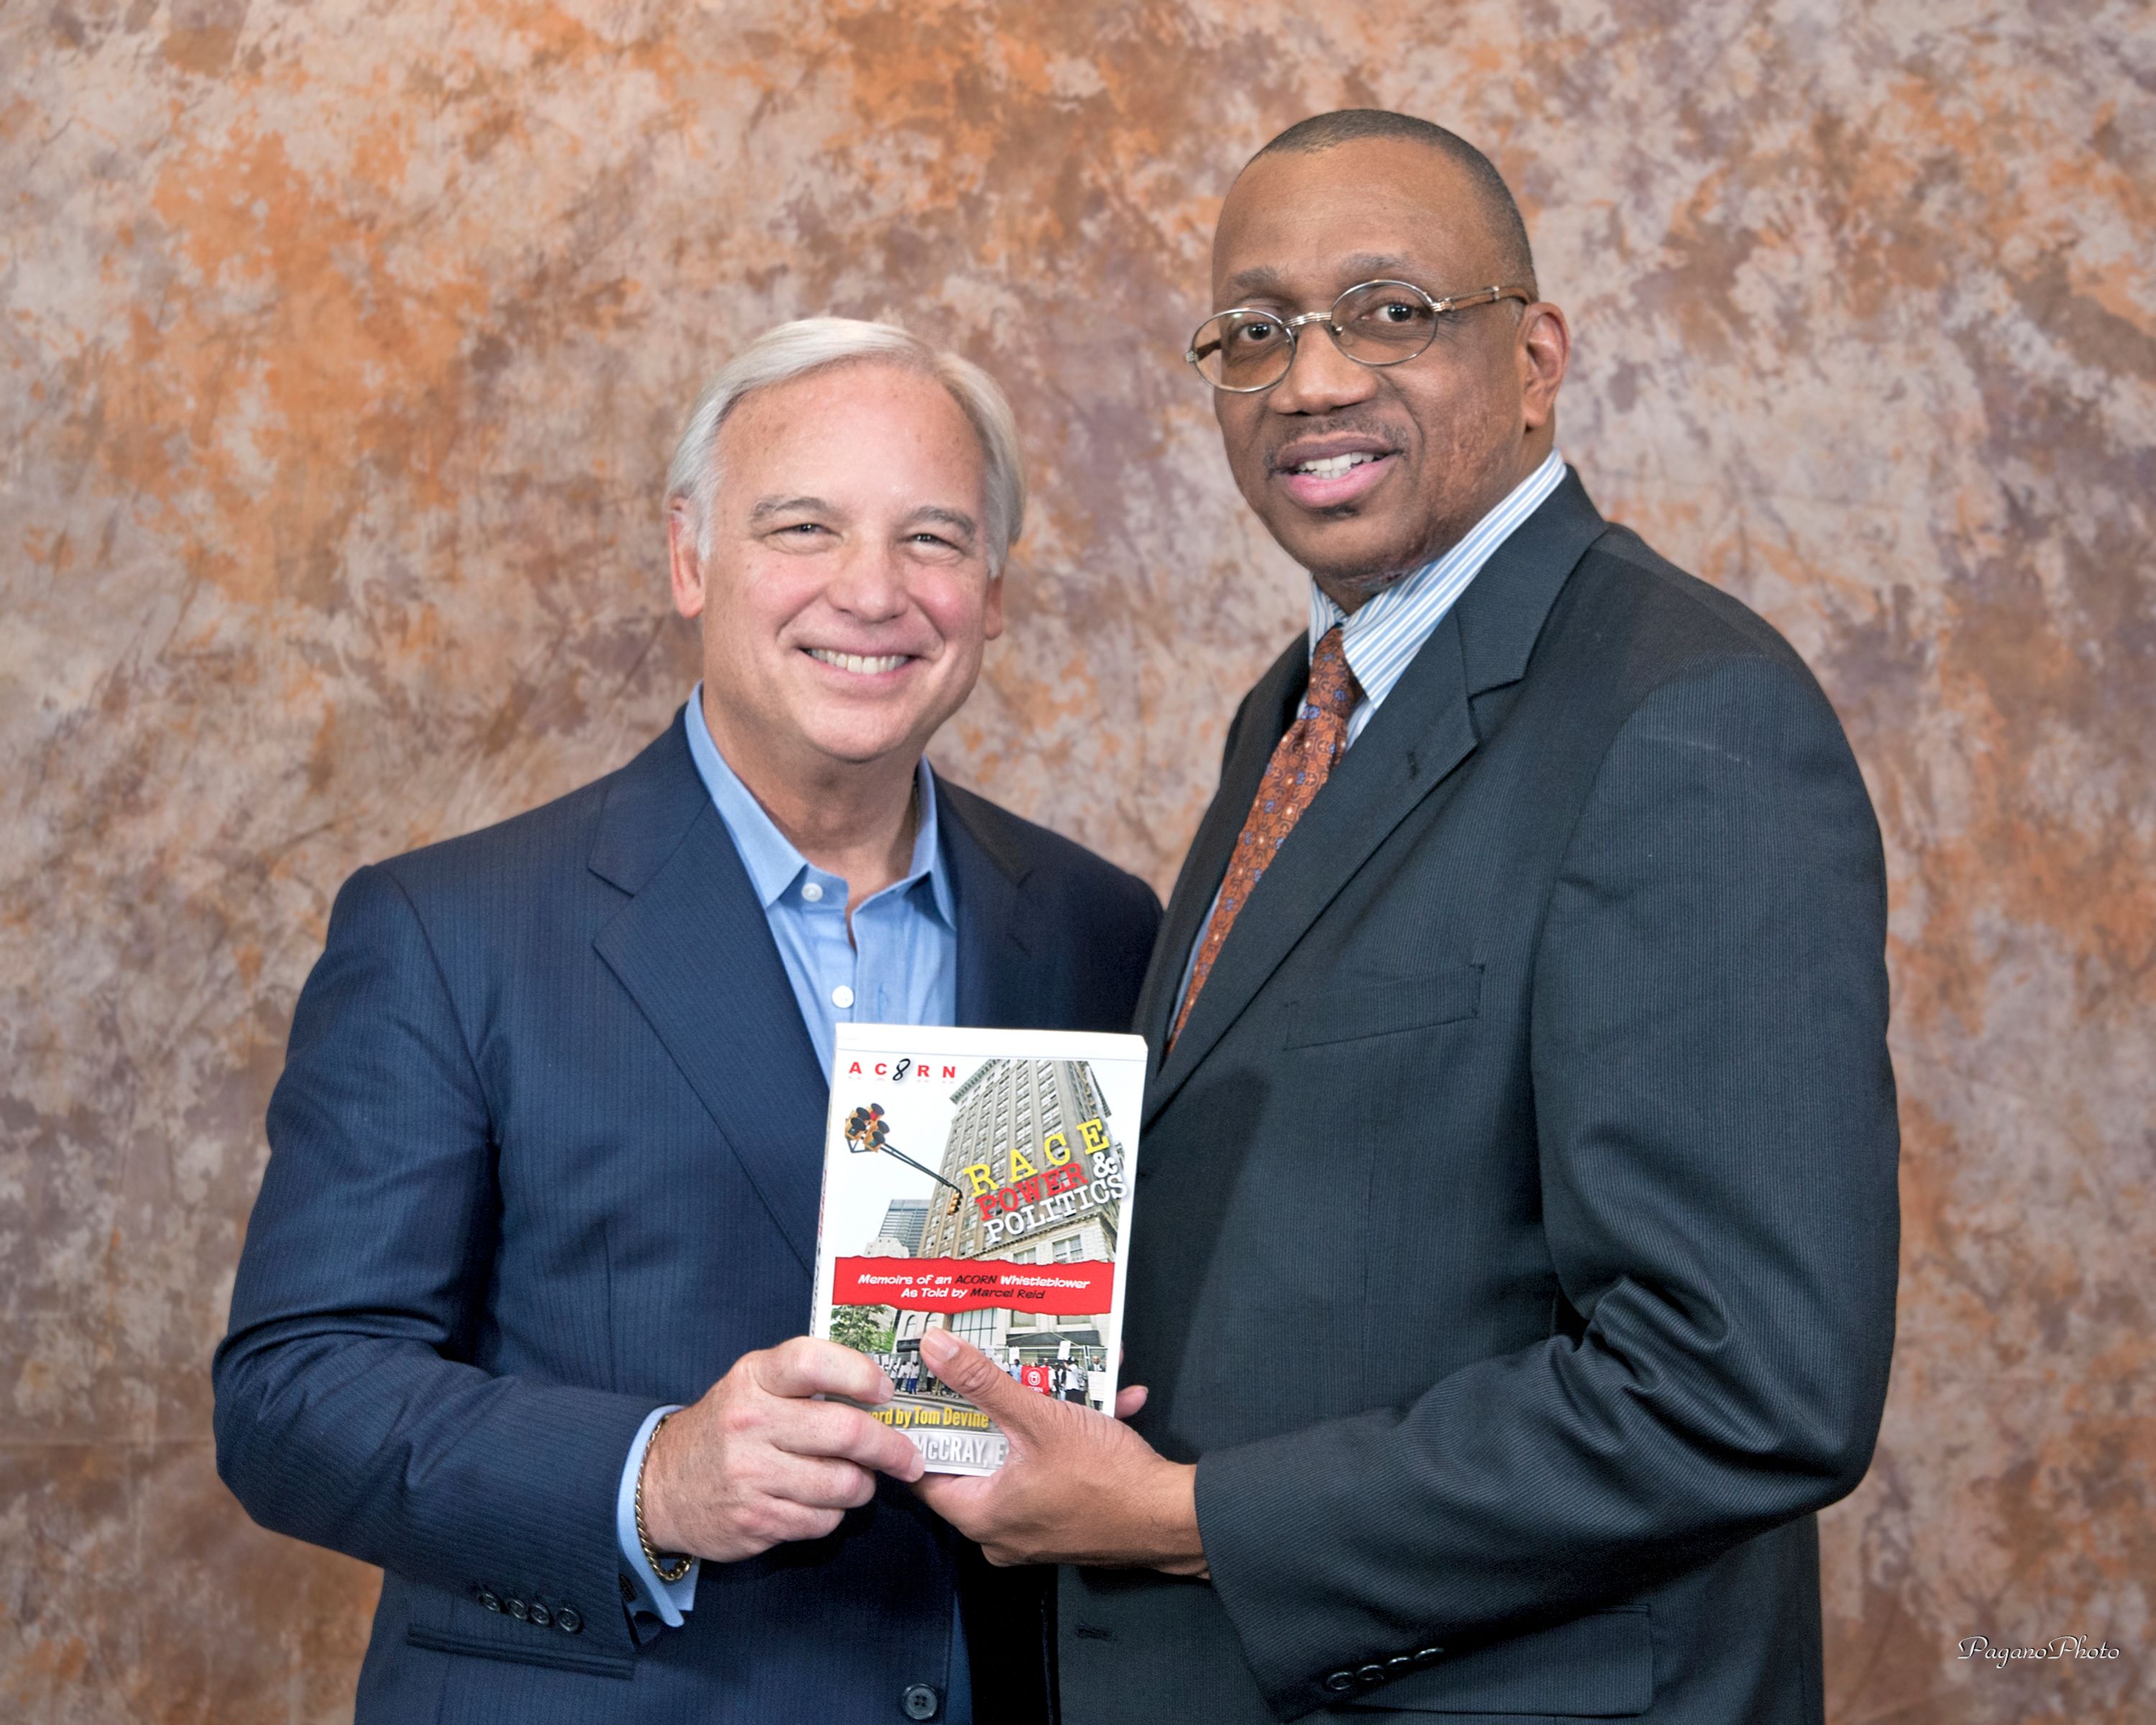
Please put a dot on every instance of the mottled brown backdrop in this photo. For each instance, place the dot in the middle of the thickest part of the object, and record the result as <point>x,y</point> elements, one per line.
<point>343,346</point>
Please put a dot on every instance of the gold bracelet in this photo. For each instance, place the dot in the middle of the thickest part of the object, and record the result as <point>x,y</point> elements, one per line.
<point>667,1569</point>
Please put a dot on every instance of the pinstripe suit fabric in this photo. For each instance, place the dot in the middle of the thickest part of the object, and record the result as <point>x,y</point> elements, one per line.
<point>1515,1244</point>
<point>546,1154</point>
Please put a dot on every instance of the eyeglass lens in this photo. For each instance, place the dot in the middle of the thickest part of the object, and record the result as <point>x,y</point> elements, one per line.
<point>1379,323</point>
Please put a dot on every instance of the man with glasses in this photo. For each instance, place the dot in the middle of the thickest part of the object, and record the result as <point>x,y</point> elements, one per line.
<point>1512,1270</point>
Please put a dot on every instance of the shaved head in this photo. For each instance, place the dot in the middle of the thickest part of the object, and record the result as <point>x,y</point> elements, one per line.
<point>1492,196</point>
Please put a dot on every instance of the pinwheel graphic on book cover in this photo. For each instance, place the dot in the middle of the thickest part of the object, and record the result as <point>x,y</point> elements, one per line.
<point>979,1181</point>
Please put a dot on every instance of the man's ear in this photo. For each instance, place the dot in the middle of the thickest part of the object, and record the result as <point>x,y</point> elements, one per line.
<point>1545,349</point>
<point>992,606</point>
<point>684,565</point>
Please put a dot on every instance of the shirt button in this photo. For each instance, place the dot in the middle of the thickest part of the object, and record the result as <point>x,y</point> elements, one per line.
<point>842,996</point>
<point>812,892</point>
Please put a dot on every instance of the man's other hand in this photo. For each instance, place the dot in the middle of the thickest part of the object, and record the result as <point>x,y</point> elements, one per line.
<point>1077,1487</point>
<point>758,1461</point>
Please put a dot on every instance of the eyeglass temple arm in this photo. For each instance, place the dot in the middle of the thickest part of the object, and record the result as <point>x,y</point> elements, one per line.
<point>1458,302</point>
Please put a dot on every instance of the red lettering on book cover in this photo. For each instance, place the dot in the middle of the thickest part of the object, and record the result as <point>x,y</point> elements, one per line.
<point>1083,1288</point>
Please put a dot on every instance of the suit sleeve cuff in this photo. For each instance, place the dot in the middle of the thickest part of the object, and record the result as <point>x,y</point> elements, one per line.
<point>666,1600</point>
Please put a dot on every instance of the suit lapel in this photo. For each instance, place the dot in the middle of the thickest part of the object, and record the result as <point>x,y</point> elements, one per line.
<point>1265,718</point>
<point>694,952</point>
<point>1420,735</point>
<point>986,878</point>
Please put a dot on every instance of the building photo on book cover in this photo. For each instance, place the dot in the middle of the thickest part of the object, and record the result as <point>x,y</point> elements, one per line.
<point>979,1181</point>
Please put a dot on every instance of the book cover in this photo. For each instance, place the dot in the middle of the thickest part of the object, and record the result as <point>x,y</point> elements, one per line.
<point>979,1181</point>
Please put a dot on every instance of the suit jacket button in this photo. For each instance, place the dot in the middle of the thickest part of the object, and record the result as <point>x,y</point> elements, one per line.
<point>1340,1682</point>
<point>492,1601</point>
<point>519,1611</point>
<point>542,1617</point>
<point>1370,1675</point>
<point>1400,1662</point>
<point>919,1701</point>
<point>569,1620</point>
<point>1424,1656</point>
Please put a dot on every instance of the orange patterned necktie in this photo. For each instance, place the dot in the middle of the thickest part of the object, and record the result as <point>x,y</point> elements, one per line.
<point>1301,761</point>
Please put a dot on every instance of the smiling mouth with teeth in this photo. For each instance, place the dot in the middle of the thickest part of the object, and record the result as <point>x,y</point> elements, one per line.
<point>861,664</point>
<point>1333,466</point>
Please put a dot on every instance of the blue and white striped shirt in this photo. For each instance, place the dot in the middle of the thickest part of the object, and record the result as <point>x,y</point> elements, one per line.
<point>1382,638</point>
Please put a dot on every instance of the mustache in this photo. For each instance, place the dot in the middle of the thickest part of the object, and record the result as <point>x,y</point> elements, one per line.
<point>1350,423</point>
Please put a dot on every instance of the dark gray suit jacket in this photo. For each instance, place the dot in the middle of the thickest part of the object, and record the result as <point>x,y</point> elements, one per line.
<point>1514,1249</point>
<point>547,1153</point>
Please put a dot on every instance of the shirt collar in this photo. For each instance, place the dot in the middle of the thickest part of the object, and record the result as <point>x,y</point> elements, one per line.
<point>1382,638</point>
<point>774,866</point>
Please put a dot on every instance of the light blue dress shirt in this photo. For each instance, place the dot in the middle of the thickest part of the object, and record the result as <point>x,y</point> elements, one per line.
<point>898,964</point>
<point>1382,637</point>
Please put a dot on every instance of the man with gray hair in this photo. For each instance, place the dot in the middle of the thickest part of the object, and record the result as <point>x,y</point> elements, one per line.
<point>518,1316</point>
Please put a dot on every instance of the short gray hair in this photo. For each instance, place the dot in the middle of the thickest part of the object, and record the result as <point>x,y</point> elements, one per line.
<point>812,344</point>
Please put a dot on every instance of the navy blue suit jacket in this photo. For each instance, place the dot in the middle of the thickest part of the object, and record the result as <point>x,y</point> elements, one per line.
<point>546,1154</point>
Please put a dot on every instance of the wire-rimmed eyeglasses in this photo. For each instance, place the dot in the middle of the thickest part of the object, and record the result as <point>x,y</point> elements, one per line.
<point>1375,323</point>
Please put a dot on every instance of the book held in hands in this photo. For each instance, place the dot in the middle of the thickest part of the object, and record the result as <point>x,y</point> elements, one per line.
<point>979,1181</point>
